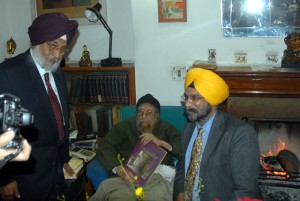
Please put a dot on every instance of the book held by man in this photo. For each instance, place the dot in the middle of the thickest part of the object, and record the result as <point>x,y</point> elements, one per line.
<point>144,160</point>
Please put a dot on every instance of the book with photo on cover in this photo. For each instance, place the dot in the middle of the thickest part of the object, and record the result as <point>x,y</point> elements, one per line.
<point>144,160</point>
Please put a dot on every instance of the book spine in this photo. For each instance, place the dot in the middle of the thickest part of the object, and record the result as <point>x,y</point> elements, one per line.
<point>90,89</point>
<point>125,88</point>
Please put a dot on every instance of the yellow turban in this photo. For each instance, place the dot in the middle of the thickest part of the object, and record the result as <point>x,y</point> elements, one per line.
<point>211,86</point>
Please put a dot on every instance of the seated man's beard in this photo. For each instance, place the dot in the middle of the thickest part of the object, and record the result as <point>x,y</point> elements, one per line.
<point>144,126</point>
<point>41,60</point>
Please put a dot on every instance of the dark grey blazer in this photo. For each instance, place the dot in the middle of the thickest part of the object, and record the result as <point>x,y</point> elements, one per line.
<point>230,162</point>
<point>20,77</point>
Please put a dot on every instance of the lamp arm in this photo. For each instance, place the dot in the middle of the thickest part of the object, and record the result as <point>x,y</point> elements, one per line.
<point>109,32</point>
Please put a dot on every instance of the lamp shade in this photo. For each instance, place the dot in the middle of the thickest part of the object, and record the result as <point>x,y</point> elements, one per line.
<point>93,15</point>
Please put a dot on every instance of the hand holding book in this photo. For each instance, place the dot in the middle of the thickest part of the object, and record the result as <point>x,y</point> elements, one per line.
<point>147,137</point>
<point>144,160</point>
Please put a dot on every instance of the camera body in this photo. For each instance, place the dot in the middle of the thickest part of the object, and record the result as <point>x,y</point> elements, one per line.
<point>12,117</point>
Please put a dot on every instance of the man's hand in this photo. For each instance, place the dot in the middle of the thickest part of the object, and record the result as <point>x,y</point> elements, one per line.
<point>125,174</point>
<point>25,153</point>
<point>22,156</point>
<point>179,197</point>
<point>147,137</point>
<point>10,191</point>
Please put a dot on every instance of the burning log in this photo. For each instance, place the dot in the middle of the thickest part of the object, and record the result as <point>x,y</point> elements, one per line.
<point>270,163</point>
<point>288,160</point>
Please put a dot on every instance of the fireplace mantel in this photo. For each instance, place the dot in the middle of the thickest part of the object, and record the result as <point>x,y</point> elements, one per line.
<point>269,94</point>
<point>276,82</point>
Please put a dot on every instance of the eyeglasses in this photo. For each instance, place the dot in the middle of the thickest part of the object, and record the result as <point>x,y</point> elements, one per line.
<point>147,112</point>
<point>62,50</point>
<point>193,98</point>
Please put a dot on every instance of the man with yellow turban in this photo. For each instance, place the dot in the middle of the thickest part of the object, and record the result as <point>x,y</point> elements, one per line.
<point>225,163</point>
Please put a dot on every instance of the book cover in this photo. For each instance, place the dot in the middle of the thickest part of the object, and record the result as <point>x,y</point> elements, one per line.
<point>144,160</point>
<point>77,166</point>
<point>84,144</point>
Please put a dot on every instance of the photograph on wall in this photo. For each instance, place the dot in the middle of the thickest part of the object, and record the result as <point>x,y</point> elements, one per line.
<point>240,57</point>
<point>172,10</point>
<point>71,8</point>
<point>212,55</point>
<point>272,57</point>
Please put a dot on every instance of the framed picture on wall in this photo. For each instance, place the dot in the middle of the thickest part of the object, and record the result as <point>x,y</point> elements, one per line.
<point>71,8</point>
<point>172,10</point>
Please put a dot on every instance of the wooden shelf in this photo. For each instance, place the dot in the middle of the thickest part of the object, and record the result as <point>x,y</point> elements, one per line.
<point>74,71</point>
<point>276,82</point>
<point>115,86</point>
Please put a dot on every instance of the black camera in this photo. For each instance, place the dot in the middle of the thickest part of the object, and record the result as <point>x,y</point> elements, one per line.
<point>12,117</point>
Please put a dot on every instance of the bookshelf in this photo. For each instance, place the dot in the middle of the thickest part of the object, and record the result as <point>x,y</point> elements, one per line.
<point>98,86</point>
<point>72,71</point>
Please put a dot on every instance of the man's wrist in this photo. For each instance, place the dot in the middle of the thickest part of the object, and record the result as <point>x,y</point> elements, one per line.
<point>167,145</point>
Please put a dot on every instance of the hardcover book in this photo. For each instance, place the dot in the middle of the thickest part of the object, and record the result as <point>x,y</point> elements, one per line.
<point>77,166</point>
<point>144,160</point>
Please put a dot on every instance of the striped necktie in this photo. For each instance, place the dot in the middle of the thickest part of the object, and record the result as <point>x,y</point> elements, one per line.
<point>55,107</point>
<point>193,166</point>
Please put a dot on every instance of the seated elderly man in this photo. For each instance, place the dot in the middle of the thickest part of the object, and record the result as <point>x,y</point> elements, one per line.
<point>122,138</point>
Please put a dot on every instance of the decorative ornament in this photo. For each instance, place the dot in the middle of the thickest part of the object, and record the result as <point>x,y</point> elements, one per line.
<point>85,58</point>
<point>291,55</point>
<point>11,46</point>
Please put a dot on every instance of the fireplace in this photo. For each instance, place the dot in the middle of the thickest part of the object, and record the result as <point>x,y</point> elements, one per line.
<point>279,142</point>
<point>270,101</point>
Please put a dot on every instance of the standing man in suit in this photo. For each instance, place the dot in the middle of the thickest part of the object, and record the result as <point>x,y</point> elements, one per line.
<point>41,177</point>
<point>229,164</point>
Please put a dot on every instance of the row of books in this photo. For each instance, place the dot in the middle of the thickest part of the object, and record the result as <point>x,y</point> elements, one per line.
<point>96,119</point>
<point>100,87</point>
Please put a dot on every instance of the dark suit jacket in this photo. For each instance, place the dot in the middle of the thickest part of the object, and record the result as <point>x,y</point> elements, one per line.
<point>20,77</point>
<point>230,161</point>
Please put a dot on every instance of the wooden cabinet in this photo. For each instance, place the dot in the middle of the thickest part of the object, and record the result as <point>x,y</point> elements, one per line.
<point>262,94</point>
<point>93,87</point>
<point>276,82</point>
<point>73,71</point>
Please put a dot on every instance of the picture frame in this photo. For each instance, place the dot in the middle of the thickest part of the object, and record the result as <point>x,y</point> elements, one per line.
<point>172,11</point>
<point>71,8</point>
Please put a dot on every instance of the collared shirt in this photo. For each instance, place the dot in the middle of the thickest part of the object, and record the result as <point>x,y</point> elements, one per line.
<point>42,72</point>
<point>207,128</point>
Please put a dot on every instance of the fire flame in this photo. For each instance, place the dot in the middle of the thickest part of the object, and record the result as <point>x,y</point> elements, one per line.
<point>281,146</point>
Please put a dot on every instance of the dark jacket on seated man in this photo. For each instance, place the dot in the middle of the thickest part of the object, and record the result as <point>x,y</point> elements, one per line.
<point>122,139</point>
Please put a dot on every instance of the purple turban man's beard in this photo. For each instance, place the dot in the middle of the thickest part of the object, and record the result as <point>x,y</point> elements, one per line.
<point>194,114</point>
<point>41,60</point>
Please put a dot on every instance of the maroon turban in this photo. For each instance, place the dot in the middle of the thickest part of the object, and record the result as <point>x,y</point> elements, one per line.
<point>51,26</point>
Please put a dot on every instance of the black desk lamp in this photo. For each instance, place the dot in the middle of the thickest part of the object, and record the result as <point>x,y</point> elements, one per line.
<point>93,15</point>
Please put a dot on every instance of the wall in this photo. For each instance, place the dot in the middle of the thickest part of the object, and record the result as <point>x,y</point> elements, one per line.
<point>154,47</point>
<point>14,24</point>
